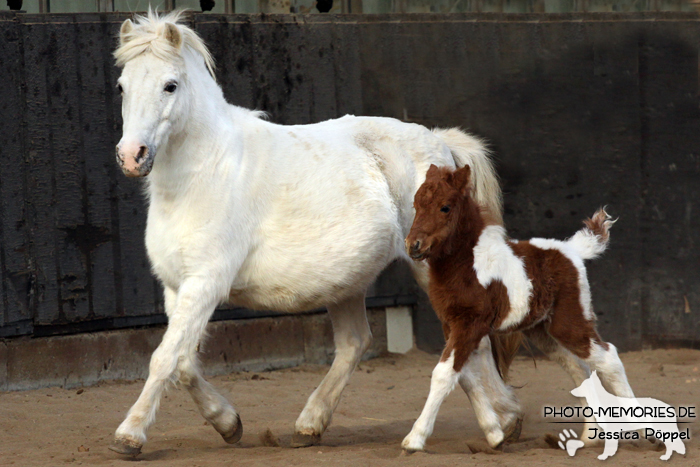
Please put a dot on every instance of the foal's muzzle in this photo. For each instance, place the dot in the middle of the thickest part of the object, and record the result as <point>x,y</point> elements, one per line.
<point>414,250</point>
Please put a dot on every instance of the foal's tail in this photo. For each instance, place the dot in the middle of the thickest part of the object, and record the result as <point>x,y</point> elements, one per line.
<point>471,151</point>
<point>592,240</point>
<point>468,150</point>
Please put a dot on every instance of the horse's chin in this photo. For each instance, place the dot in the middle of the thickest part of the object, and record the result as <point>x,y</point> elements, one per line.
<point>136,174</point>
<point>139,171</point>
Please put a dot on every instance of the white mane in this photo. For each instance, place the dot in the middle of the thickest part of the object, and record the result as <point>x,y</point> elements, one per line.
<point>146,36</point>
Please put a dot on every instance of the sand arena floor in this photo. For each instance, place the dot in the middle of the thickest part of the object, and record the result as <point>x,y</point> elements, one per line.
<point>57,427</point>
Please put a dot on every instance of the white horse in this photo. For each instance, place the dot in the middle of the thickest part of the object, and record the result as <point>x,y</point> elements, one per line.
<point>276,217</point>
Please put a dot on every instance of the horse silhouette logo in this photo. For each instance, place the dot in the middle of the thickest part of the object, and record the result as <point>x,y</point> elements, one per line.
<point>616,415</point>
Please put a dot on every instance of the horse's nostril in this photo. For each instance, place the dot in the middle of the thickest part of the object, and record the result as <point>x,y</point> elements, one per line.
<point>416,246</point>
<point>143,152</point>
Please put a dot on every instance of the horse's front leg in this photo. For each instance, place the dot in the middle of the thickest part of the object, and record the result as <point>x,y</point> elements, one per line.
<point>194,305</point>
<point>352,337</point>
<point>213,406</point>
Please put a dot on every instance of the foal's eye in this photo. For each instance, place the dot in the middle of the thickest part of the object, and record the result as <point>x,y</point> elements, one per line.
<point>445,209</point>
<point>170,87</point>
<point>120,89</point>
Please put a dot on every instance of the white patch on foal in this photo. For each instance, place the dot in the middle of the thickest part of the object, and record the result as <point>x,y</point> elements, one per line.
<point>495,260</point>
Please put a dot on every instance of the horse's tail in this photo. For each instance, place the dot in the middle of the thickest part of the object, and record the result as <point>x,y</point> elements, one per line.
<point>471,151</point>
<point>592,240</point>
<point>468,150</point>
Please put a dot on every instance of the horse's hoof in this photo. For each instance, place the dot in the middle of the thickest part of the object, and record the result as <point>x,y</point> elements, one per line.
<point>236,435</point>
<point>513,432</point>
<point>409,451</point>
<point>126,447</point>
<point>301,440</point>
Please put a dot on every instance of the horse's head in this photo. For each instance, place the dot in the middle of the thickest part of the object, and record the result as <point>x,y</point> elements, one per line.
<point>437,203</point>
<point>155,85</point>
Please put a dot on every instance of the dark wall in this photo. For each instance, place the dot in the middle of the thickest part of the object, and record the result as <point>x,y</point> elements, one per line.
<point>580,110</point>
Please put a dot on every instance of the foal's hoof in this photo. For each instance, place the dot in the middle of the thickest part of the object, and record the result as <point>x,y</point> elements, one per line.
<point>302,440</point>
<point>236,435</point>
<point>126,447</point>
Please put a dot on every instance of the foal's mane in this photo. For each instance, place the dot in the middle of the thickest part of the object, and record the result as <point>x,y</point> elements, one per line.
<point>147,36</point>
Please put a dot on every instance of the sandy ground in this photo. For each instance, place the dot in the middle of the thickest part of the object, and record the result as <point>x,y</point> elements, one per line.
<point>55,427</point>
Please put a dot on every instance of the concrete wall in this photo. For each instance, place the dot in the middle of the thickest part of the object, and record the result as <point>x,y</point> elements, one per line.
<point>581,110</point>
<point>258,344</point>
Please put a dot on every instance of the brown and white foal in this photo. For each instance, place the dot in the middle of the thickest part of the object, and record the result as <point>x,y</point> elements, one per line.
<point>481,282</point>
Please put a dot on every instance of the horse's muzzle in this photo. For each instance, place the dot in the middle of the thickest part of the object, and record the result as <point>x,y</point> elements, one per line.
<point>135,160</point>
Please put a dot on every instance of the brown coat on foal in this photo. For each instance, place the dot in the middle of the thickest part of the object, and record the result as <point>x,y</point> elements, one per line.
<point>481,283</point>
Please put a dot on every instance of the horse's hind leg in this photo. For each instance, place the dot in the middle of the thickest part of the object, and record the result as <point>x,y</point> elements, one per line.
<point>352,337</point>
<point>494,402</point>
<point>194,305</point>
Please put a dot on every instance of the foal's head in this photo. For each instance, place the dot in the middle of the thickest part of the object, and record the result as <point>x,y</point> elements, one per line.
<point>438,203</point>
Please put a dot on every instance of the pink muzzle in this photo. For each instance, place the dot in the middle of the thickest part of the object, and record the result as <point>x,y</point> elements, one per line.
<point>134,159</point>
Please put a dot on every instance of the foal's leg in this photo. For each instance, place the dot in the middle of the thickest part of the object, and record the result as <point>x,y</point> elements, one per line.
<point>574,330</point>
<point>576,367</point>
<point>604,359</point>
<point>352,337</point>
<point>497,410</point>
<point>442,383</point>
<point>494,402</point>
<point>213,406</point>
<point>193,307</point>
<point>463,340</point>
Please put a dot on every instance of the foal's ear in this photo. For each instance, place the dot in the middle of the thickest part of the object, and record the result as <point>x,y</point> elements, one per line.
<point>462,179</point>
<point>173,35</point>
<point>431,171</point>
<point>127,27</point>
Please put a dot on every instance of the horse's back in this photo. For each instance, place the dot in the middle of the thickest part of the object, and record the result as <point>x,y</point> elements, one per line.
<point>338,207</point>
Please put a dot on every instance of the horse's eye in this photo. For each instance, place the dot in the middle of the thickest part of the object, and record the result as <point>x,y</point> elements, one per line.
<point>170,87</point>
<point>445,209</point>
<point>120,89</point>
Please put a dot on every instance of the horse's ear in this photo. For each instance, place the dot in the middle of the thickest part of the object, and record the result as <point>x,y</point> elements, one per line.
<point>173,35</point>
<point>462,179</point>
<point>127,27</point>
<point>431,171</point>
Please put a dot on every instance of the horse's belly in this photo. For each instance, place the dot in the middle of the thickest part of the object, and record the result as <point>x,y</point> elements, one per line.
<point>279,292</point>
<point>295,277</point>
